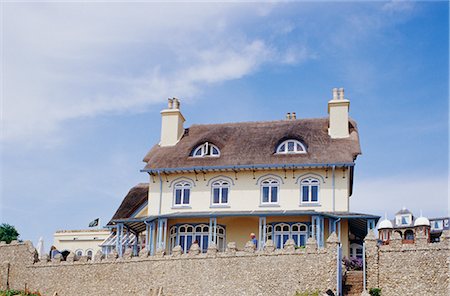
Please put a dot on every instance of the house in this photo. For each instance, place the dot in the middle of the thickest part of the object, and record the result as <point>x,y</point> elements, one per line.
<point>84,242</point>
<point>218,183</point>
<point>407,226</point>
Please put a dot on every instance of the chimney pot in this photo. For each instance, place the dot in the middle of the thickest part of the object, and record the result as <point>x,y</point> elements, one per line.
<point>170,103</point>
<point>335,93</point>
<point>288,116</point>
<point>294,116</point>
<point>176,103</point>
<point>341,93</point>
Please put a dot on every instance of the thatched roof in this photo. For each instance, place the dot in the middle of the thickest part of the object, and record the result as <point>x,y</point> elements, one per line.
<point>135,198</point>
<point>251,143</point>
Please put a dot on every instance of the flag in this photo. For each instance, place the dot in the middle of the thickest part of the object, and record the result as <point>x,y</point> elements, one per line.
<point>94,223</point>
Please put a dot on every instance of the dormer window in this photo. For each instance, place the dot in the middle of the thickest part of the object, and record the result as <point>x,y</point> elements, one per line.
<point>291,146</point>
<point>206,149</point>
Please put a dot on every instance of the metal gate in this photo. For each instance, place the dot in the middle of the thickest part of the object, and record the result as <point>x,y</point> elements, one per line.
<point>339,271</point>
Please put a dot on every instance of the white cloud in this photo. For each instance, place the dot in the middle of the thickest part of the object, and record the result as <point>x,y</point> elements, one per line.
<point>66,61</point>
<point>428,194</point>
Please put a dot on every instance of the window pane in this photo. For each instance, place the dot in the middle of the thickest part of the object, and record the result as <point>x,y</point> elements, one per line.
<point>205,242</point>
<point>216,195</point>
<point>265,194</point>
<point>186,196</point>
<point>285,238</point>
<point>314,193</point>
<point>282,148</point>
<point>295,238</point>
<point>274,197</point>
<point>302,240</point>
<point>224,195</point>
<point>291,146</point>
<point>305,193</point>
<point>278,241</point>
<point>189,242</point>
<point>215,151</point>
<point>178,197</point>
<point>182,242</point>
<point>299,148</point>
<point>198,152</point>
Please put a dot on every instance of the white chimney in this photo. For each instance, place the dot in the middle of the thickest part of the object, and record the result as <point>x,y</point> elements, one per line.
<point>338,115</point>
<point>171,123</point>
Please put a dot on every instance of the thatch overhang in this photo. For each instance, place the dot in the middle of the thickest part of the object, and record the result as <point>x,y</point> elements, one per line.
<point>135,199</point>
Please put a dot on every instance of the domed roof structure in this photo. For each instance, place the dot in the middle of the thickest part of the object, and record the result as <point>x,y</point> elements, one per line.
<point>422,221</point>
<point>385,224</point>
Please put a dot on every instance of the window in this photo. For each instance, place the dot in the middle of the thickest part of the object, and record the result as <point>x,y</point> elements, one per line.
<point>220,191</point>
<point>206,149</point>
<point>187,234</point>
<point>291,147</point>
<point>309,190</point>
<point>79,253</point>
<point>437,224</point>
<point>404,220</point>
<point>182,193</point>
<point>297,231</point>
<point>356,251</point>
<point>89,253</point>
<point>269,191</point>
<point>409,235</point>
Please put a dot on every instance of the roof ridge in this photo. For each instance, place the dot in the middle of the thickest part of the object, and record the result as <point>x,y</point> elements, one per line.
<point>260,121</point>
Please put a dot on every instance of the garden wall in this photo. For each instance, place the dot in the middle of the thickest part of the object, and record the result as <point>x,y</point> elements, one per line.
<point>421,268</point>
<point>269,272</point>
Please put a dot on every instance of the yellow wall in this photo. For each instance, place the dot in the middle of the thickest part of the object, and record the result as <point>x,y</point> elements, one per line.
<point>80,240</point>
<point>245,194</point>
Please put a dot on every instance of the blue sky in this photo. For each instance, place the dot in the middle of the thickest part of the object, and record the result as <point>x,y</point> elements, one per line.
<point>83,84</point>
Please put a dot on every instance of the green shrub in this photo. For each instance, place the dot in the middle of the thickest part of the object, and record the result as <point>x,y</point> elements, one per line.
<point>375,292</point>
<point>16,292</point>
<point>316,293</point>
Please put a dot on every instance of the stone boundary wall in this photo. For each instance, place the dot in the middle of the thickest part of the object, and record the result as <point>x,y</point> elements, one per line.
<point>421,268</point>
<point>247,272</point>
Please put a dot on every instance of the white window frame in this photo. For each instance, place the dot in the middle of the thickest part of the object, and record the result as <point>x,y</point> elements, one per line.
<point>175,236</point>
<point>270,183</point>
<point>220,184</point>
<point>353,250</point>
<point>290,233</point>
<point>181,185</point>
<point>79,250</point>
<point>283,148</point>
<point>309,182</point>
<point>206,150</point>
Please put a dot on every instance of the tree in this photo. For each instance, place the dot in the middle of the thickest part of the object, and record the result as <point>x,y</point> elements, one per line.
<point>8,233</point>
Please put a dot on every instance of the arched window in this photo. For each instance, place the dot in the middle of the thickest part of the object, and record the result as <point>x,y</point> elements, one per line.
<point>283,231</point>
<point>182,192</point>
<point>291,146</point>
<point>220,191</point>
<point>356,251</point>
<point>79,253</point>
<point>187,234</point>
<point>269,191</point>
<point>89,253</point>
<point>309,188</point>
<point>409,235</point>
<point>206,149</point>
<point>299,233</point>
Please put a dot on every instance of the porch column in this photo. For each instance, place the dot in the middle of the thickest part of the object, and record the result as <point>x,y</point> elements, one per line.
<point>318,226</point>
<point>212,233</point>
<point>119,234</point>
<point>261,233</point>
<point>136,244</point>
<point>152,238</point>
<point>147,235</point>
<point>331,226</point>
<point>162,234</point>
